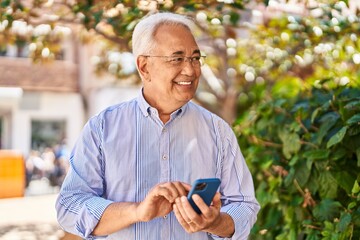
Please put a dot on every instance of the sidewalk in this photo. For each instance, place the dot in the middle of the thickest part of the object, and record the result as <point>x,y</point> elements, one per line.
<point>32,217</point>
<point>28,210</point>
<point>29,218</point>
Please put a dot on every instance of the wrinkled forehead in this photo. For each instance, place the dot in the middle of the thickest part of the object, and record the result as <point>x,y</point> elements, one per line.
<point>175,40</point>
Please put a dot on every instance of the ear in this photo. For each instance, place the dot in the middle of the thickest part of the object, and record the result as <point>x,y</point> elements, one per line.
<point>142,65</point>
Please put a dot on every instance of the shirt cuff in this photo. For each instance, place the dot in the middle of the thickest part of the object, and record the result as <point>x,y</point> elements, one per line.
<point>241,224</point>
<point>90,215</point>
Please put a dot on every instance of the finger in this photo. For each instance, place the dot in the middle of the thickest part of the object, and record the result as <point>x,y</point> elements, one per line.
<point>178,215</point>
<point>174,192</point>
<point>163,191</point>
<point>188,210</point>
<point>186,186</point>
<point>188,225</point>
<point>217,200</point>
<point>204,208</point>
<point>176,189</point>
<point>181,205</point>
<point>182,188</point>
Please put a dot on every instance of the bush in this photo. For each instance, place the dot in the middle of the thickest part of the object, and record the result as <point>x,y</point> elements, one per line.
<point>304,154</point>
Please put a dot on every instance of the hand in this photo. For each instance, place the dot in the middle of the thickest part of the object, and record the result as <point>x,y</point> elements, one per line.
<point>160,199</point>
<point>193,222</point>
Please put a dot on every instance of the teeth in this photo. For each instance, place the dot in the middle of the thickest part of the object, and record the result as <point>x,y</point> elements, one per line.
<point>184,83</point>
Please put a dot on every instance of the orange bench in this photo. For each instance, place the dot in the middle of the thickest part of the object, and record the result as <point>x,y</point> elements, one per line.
<point>12,174</point>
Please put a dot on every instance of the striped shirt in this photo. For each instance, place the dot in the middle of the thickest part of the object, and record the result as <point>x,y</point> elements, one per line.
<point>125,150</point>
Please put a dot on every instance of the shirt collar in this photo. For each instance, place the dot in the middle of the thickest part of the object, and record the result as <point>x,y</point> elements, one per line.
<point>146,108</point>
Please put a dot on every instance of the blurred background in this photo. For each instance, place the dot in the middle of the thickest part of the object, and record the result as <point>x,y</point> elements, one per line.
<point>63,61</point>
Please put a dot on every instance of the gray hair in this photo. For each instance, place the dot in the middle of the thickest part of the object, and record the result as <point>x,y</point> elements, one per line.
<point>143,35</point>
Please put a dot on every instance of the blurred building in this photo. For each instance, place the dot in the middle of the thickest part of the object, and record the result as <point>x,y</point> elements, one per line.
<point>42,105</point>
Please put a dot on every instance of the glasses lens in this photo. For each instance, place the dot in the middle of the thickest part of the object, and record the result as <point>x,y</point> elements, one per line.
<point>176,61</point>
<point>202,60</point>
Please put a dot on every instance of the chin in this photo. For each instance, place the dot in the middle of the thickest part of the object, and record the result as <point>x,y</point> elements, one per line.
<point>188,98</point>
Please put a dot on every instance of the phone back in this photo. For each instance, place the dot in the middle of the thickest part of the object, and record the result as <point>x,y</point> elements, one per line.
<point>206,189</point>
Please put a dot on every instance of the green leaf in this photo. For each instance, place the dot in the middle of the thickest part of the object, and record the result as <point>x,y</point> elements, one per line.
<point>280,102</point>
<point>5,3</point>
<point>358,156</point>
<point>345,180</point>
<point>353,105</point>
<point>329,226</point>
<point>294,160</point>
<point>356,216</point>
<point>291,143</point>
<point>338,137</point>
<point>314,114</point>
<point>339,153</point>
<point>351,205</point>
<point>344,222</point>
<point>356,187</point>
<point>326,234</point>
<point>354,119</point>
<point>327,209</point>
<point>313,235</point>
<point>327,185</point>
<point>234,17</point>
<point>313,183</point>
<point>282,236</point>
<point>330,118</point>
<point>302,173</point>
<point>287,87</point>
<point>328,121</point>
<point>290,177</point>
<point>353,130</point>
<point>317,154</point>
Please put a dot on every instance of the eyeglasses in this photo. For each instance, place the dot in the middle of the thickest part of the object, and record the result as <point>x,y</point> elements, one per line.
<point>178,61</point>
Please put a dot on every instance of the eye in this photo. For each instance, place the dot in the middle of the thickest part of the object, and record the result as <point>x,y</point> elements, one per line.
<point>176,60</point>
<point>195,59</point>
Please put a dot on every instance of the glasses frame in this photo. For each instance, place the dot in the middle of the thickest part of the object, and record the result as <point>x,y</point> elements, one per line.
<point>192,60</point>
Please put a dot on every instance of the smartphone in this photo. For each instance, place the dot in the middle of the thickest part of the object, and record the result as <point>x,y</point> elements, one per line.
<point>206,189</point>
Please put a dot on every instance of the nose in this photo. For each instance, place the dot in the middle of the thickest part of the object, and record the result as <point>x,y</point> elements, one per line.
<point>188,68</point>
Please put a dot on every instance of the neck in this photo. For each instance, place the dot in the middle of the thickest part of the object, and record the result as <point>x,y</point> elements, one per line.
<point>164,109</point>
<point>164,117</point>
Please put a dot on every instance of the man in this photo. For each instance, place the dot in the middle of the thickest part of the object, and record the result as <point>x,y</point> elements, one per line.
<point>133,165</point>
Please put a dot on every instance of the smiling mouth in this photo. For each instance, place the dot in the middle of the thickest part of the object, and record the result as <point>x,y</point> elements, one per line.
<point>184,83</point>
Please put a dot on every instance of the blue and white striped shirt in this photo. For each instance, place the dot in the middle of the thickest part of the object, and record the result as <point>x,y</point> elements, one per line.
<point>126,150</point>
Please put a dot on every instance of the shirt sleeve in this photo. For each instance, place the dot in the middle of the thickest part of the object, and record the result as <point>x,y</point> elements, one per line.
<point>80,204</point>
<point>237,188</point>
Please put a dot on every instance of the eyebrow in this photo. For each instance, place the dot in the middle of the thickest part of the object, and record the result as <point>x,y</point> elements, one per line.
<point>182,52</point>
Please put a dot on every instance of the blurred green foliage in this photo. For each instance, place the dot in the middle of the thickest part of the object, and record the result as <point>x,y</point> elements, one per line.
<point>300,132</point>
<point>304,153</point>
<point>292,53</point>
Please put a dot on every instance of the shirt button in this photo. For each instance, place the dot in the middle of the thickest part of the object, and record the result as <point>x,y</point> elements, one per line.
<point>164,157</point>
<point>164,130</point>
<point>165,217</point>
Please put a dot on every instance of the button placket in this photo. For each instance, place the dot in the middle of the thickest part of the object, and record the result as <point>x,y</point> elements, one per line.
<point>164,155</point>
